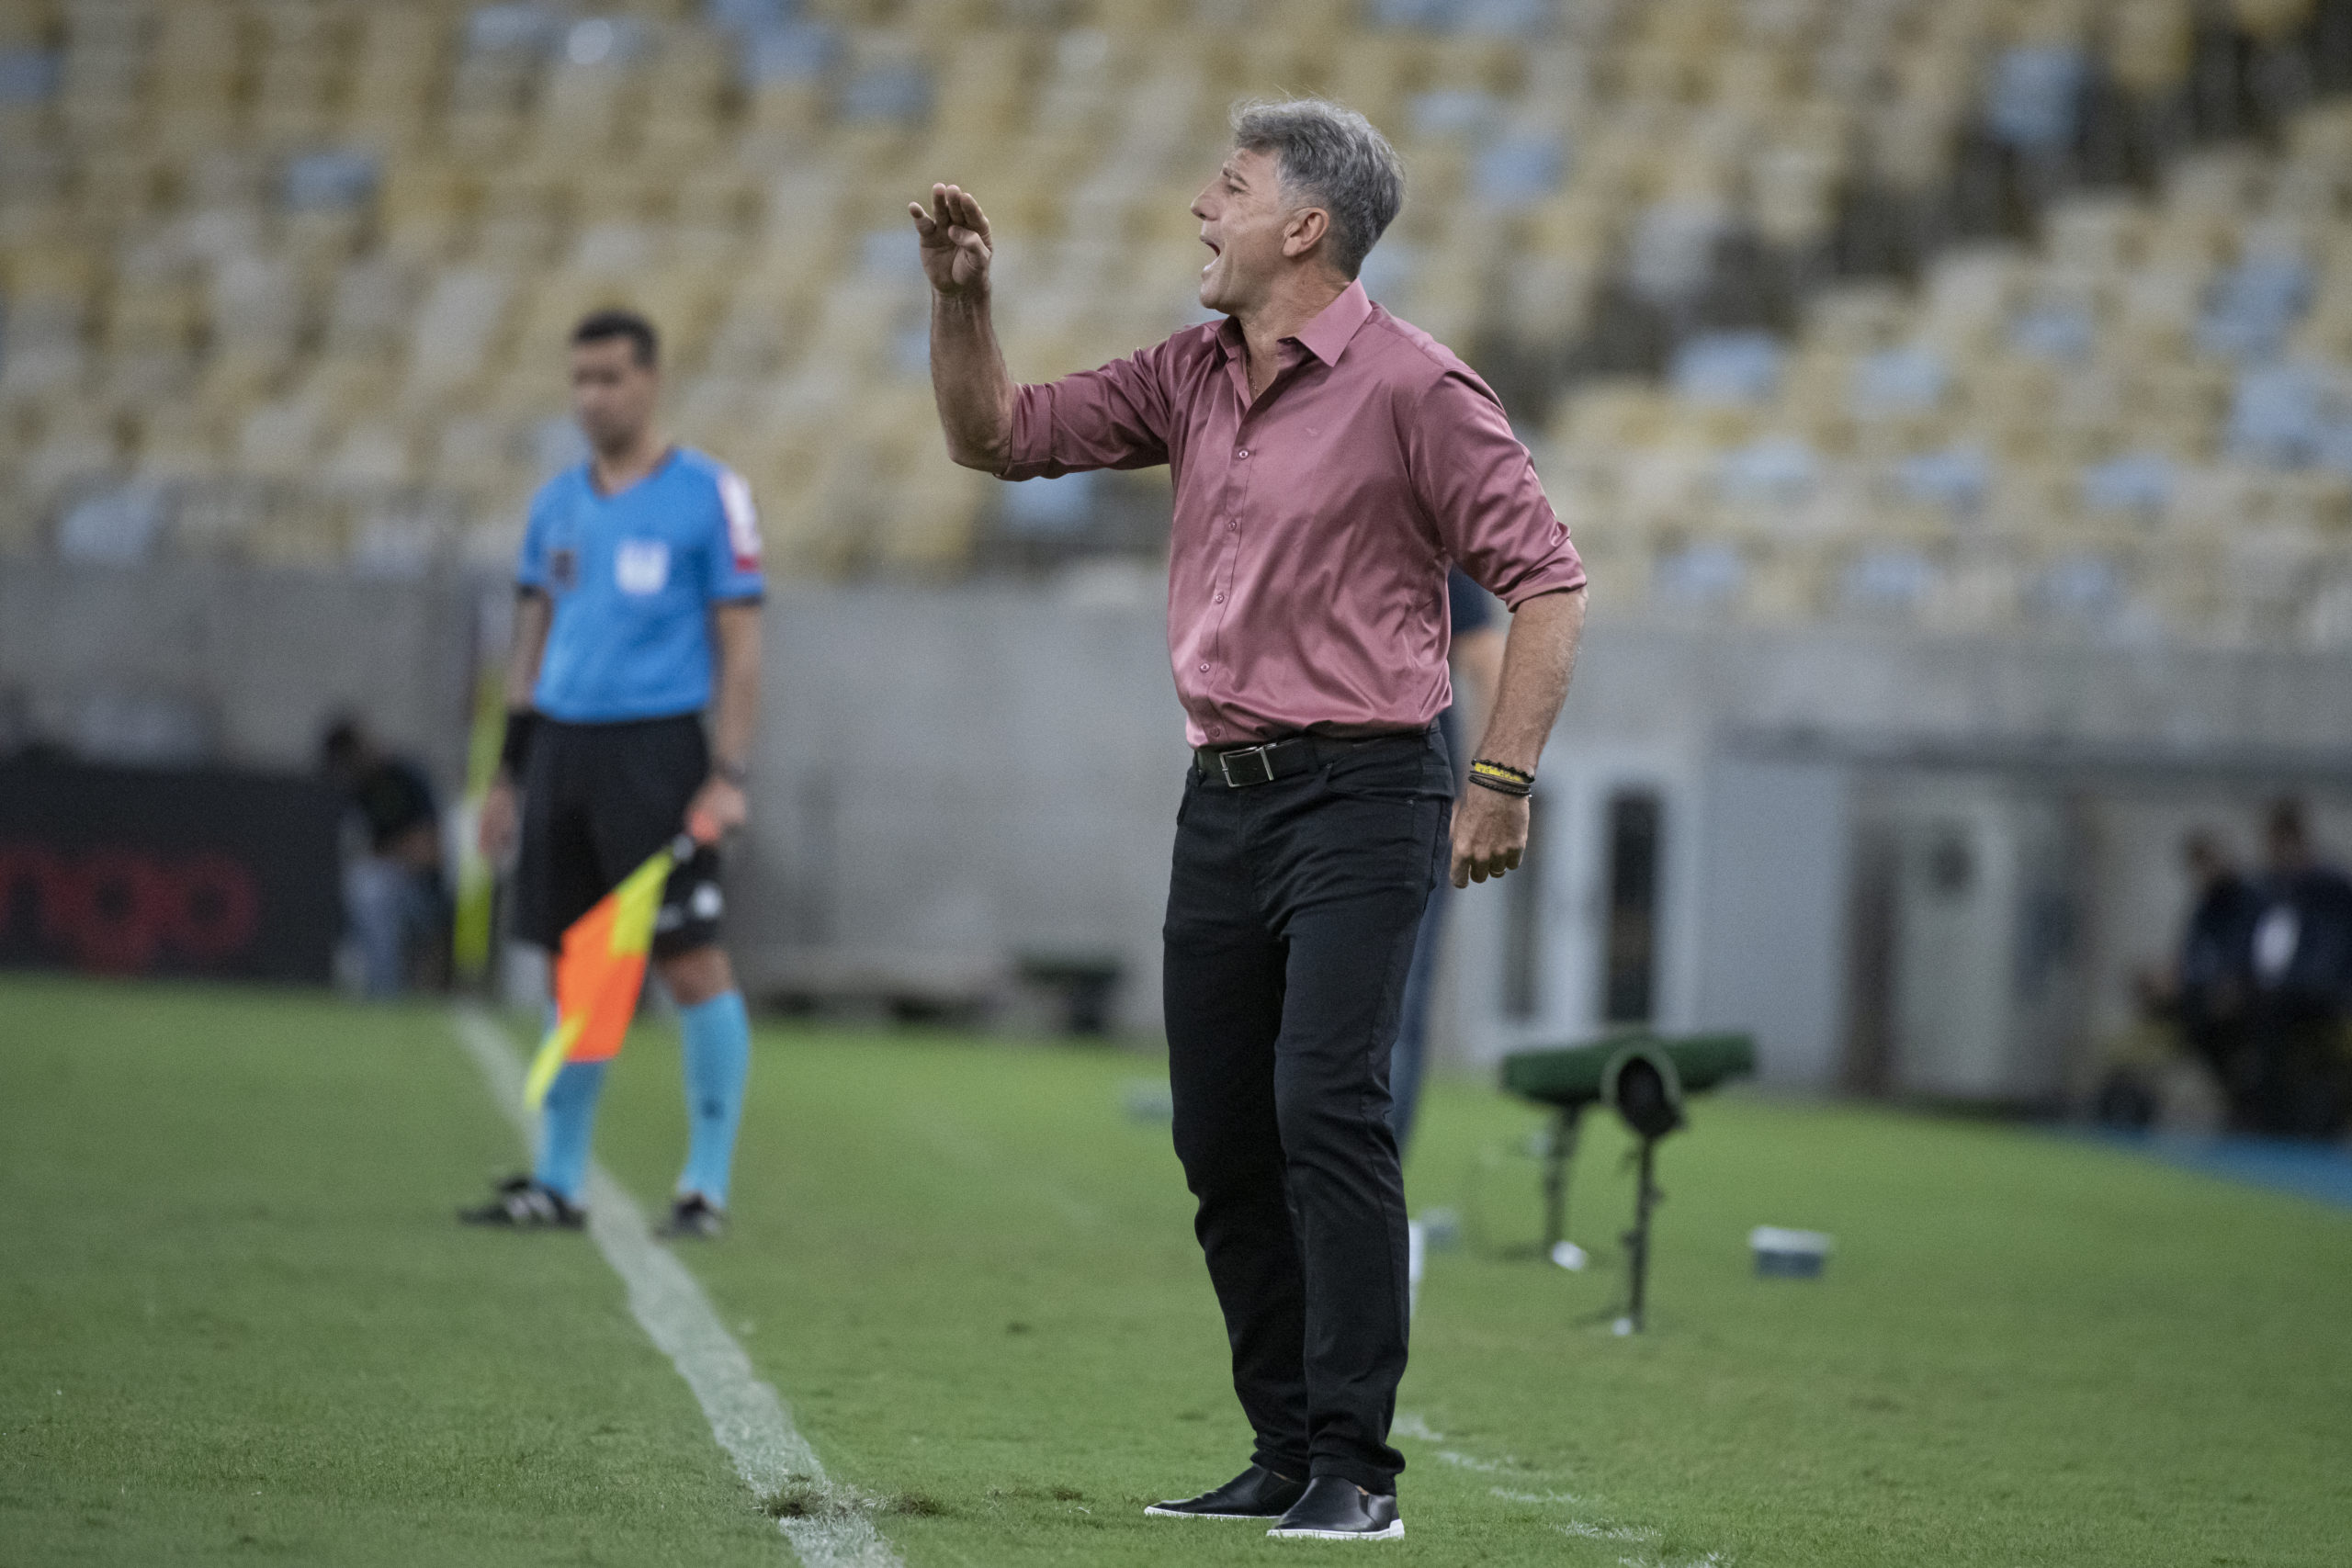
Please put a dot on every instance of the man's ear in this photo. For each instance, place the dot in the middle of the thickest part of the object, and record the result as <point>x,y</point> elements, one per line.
<point>1306,230</point>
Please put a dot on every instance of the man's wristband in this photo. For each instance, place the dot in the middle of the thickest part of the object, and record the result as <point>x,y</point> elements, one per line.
<point>514,748</point>
<point>1501,778</point>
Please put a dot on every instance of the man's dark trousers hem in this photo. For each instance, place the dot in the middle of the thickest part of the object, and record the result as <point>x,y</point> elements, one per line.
<point>1291,911</point>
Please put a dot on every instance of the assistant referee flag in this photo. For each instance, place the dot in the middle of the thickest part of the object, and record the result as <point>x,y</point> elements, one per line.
<point>600,970</point>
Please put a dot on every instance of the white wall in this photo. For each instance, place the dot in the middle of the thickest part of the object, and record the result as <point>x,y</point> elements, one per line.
<point>995,769</point>
<point>1776,841</point>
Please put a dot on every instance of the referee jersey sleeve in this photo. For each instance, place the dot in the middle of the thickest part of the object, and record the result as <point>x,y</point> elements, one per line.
<point>733,556</point>
<point>531,564</point>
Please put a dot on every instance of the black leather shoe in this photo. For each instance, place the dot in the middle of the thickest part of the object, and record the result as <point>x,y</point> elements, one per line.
<point>1336,1509</point>
<point>1254,1494</point>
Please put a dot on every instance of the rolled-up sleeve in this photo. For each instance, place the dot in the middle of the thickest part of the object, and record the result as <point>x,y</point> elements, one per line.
<point>1474,480</point>
<point>1115,417</point>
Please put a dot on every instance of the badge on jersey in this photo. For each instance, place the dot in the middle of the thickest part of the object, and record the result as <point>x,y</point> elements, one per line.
<point>641,566</point>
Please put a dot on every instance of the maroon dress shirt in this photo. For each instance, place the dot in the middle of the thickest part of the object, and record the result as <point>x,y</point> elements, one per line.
<point>1307,568</point>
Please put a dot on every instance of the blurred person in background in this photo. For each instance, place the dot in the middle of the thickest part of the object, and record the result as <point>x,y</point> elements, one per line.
<point>2196,1004</point>
<point>639,597</point>
<point>2300,958</point>
<point>394,895</point>
<point>1476,661</point>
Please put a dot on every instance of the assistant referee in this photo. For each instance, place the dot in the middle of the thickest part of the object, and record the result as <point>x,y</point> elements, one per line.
<point>1329,461</point>
<point>639,572</point>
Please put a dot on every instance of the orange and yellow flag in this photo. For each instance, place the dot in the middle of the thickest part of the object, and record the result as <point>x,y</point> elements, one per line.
<point>599,973</point>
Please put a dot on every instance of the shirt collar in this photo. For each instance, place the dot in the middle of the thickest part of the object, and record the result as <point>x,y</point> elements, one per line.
<point>1327,336</point>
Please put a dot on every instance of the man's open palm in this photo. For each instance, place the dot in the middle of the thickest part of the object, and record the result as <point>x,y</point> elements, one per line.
<point>955,235</point>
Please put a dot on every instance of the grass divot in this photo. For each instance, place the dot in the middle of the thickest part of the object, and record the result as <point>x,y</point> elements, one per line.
<point>802,1498</point>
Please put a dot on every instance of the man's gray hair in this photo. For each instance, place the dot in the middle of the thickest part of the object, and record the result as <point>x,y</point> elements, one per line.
<point>1336,158</point>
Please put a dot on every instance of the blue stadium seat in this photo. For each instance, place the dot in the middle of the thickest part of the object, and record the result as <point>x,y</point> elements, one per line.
<point>1728,368</point>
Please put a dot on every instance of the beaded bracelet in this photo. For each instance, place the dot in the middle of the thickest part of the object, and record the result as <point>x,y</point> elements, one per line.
<point>1501,778</point>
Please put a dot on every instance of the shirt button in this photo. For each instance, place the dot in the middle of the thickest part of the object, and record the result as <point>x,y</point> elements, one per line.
<point>1219,597</point>
<point>1234,523</point>
<point>1204,668</point>
<point>1216,732</point>
<point>1244,452</point>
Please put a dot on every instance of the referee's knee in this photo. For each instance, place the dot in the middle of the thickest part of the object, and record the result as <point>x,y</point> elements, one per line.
<point>697,974</point>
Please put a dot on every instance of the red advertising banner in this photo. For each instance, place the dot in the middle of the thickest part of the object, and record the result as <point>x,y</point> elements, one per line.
<point>207,872</point>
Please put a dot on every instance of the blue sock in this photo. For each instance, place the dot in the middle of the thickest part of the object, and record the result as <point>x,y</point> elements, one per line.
<point>566,1120</point>
<point>717,1060</point>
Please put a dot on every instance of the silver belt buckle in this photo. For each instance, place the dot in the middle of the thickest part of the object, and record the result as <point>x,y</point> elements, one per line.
<point>1260,755</point>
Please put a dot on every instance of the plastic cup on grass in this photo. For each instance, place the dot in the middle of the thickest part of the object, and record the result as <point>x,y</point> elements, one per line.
<point>1787,1254</point>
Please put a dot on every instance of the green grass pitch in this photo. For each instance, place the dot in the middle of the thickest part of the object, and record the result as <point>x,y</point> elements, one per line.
<point>237,1323</point>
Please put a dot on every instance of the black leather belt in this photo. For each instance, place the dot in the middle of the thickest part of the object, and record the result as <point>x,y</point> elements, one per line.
<point>1239,767</point>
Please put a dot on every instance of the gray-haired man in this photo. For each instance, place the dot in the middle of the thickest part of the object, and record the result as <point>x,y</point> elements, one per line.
<point>1329,461</point>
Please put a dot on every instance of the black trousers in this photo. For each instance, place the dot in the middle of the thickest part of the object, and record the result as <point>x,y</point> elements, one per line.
<point>1291,911</point>
<point>2294,1081</point>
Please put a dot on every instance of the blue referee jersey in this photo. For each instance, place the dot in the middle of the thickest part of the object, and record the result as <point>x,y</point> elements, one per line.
<point>633,577</point>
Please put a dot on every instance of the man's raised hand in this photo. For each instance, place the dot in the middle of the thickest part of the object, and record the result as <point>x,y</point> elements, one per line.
<point>955,235</point>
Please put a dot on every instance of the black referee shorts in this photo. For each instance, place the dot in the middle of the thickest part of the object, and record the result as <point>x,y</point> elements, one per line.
<point>598,799</point>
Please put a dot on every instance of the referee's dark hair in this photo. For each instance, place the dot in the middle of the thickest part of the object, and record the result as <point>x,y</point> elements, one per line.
<point>602,326</point>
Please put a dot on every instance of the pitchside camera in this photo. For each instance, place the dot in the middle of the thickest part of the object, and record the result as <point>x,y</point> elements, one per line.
<point>1645,1091</point>
<point>1644,1081</point>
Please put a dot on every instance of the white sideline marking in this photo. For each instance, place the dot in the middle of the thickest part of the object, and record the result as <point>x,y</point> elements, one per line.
<point>1412,1425</point>
<point>1631,1534</point>
<point>745,1415</point>
<point>1465,1462</point>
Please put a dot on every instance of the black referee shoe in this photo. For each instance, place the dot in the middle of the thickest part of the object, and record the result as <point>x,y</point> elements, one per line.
<point>693,1217</point>
<point>1336,1509</point>
<point>1255,1493</point>
<point>523,1204</point>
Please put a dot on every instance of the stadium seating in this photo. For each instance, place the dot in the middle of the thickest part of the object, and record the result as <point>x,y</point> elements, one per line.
<point>2136,425</point>
<point>1966,314</point>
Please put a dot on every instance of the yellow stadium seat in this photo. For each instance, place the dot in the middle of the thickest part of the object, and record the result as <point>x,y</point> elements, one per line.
<point>159,313</point>
<point>423,208</point>
<point>787,111</point>
<point>390,84</point>
<point>178,443</point>
<point>294,100</point>
<point>755,226</point>
<point>1372,71</point>
<point>24,24</point>
<point>475,453</point>
<point>279,439</point>
<point>79,445</point>
<point>370,456</point>
<point>523,220</point>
